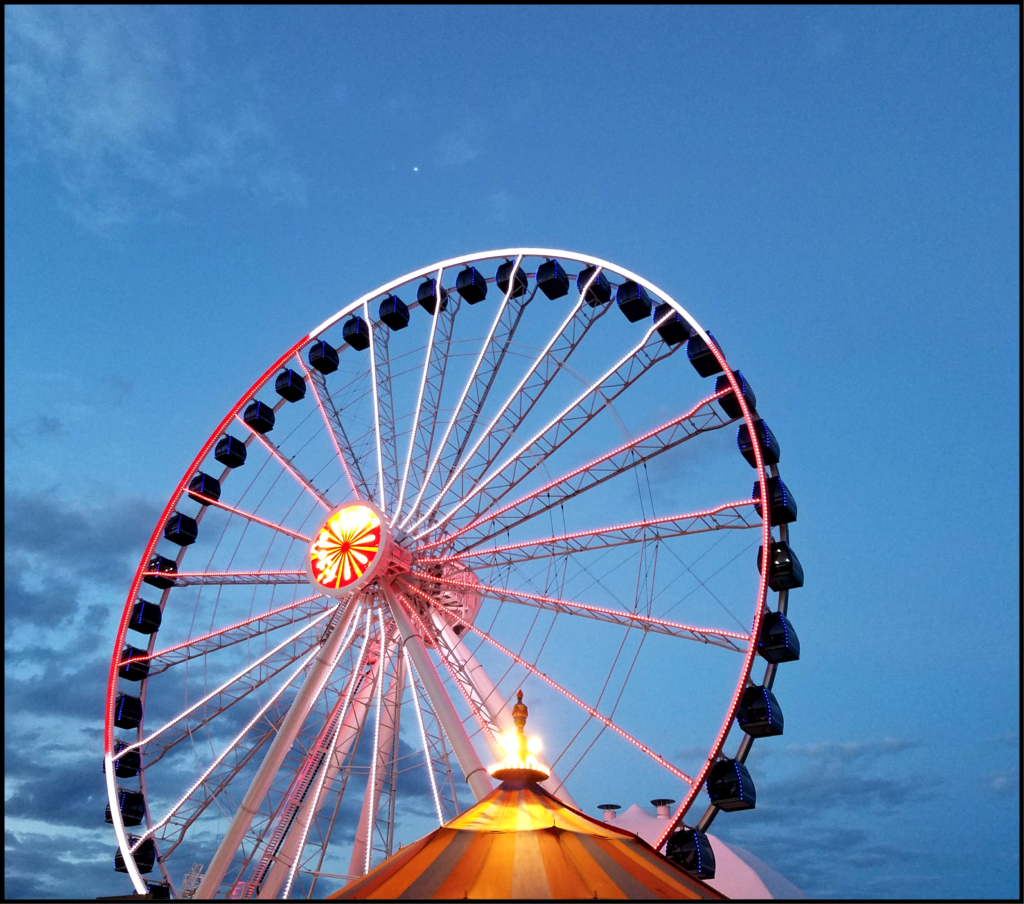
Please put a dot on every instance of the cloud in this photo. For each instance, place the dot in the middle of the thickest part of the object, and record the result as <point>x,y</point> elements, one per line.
<point>459,147</point>
<point>1002,784</point>
<point>68,563</point>
<point>129,110</point>
<point>852,750</point>
<point>819,807</point>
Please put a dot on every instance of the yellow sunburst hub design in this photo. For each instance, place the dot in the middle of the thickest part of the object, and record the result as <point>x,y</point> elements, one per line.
<point>345,547</point>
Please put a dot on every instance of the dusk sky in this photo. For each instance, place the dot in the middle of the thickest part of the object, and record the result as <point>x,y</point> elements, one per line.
<point>834,192</point>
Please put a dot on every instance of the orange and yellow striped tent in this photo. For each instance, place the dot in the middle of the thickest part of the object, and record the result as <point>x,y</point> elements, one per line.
<point>521,842</point>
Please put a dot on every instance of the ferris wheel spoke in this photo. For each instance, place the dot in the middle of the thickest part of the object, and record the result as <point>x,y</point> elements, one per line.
<point>429,750</point>
<point>730,640</point>
<point>384,413</point>
<point>219,774</point>
<point>568,694</point>
<point>257,625</point>
<point>573,418</point>
<point>700,419</point>
<point>519,404</point>
<point>474,394</point>
<point>285,463</point>
<point>247,679</point>
<point>251,517</point>
<point>428,402</point>
<point>194,578</point>
<point>336,429</point>
<point>728,516</point>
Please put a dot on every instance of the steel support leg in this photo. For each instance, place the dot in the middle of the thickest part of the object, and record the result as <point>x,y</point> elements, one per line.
<point>253,800</point>
<point>494,706</point>
<point>350,726</point>
<point>476,776</point>
<point>375,780</point>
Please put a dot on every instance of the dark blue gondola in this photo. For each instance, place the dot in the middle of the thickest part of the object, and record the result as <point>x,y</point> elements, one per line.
<point>730,786</point>
<point>471,284</point>
<point>356,333</point>
<point>322,356</point>
<point>784,569</point>
<point>675,329</point>
<point>781,503</point>
<point>128,764</point>
<point>599,290</point>
<point>504,279</point>
<point>692,851</point>
<point>230,452</point>
<point>769,445</point>
<point>759,713</point>
<point>778,641</point>
<point>259,416</point>
<point>127,711</point>
<point>204,485</point>
<point>633,301</point>
<point>165,570</point>
<point>133,671</point>
<point>428,293</point>
<point>729,403</point>
<point>181,529</point>
<point>552,279</point>
<point>144,856</point>
<point>701,357</point>
<point>290,386</point>
<point>132,807</point>
<point>394,313</point>
<point>145,617</point>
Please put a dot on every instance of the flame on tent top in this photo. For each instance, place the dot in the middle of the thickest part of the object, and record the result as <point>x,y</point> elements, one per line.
<point>520,762</point>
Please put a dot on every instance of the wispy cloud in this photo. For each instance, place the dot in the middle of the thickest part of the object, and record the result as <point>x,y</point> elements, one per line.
<point>123,102</point>
<point>818,808</point>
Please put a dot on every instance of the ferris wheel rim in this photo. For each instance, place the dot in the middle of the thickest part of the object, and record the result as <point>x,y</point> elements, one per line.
<point>363,303</point>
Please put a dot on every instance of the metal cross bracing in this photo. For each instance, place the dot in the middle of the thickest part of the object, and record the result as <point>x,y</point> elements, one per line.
<point>275,850</point>
<point>502,427</point>
<point>306,700</point>
<point>474,395</point>
<point>728,516</point>
<point>424,419</point>
<point>158,742</point>
<point>385,412</point>
<point>491,489</point>
<point>632,454</point>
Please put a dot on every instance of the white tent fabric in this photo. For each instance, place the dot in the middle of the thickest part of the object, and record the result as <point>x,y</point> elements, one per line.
<point>738,873</point>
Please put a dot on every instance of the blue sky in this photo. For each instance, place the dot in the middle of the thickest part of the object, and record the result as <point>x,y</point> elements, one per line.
<point>833,192</point>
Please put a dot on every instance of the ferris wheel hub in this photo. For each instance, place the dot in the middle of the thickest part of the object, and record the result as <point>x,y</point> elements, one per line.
<point>352,547</point>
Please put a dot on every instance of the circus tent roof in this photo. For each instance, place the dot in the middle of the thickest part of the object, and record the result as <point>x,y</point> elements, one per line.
<point>522,842</point>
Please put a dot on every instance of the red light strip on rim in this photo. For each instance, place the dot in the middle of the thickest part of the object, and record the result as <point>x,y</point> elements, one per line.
<point>108,724</point>
<point>762,593</point>
<point>492,516</point>
<point>234,511</point>
<point>657,757</point>
<point>618,613</point>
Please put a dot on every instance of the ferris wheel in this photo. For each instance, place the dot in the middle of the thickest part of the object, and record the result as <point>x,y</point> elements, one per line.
<point>493,473</point>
